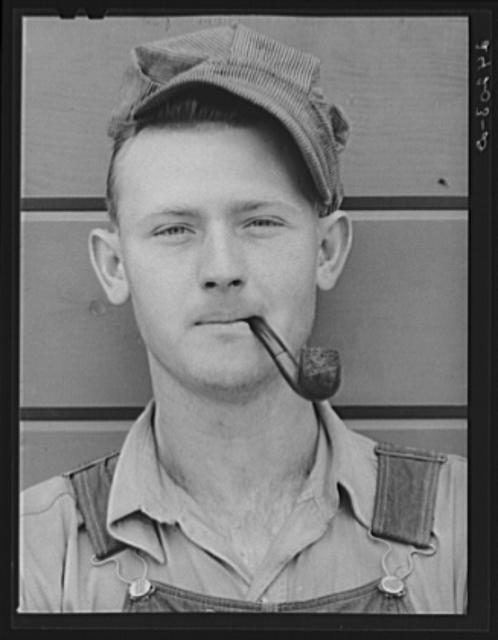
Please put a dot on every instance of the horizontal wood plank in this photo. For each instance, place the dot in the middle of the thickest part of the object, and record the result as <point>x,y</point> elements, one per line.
<point>397,317</point>
<point>357,412</point>
<point>372,203</point>
<point>402,82</point>
<point>48,449</point>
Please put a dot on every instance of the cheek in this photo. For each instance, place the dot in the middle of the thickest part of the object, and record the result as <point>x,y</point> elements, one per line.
<point>293,270</point>
<point>157,286</point>
<point>297,262</point>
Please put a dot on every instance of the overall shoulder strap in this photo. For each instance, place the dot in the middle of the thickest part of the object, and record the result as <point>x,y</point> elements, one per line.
<point>92,484</point>
<point>405,500</point>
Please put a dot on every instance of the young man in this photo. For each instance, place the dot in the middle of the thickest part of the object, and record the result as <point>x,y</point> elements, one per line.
<point>233,492</point>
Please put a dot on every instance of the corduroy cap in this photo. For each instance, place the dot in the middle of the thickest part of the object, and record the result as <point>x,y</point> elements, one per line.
<point>281,80</point>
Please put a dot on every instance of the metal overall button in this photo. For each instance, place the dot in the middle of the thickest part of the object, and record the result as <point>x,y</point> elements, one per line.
<point>140,588</point>
<point>392,587</point>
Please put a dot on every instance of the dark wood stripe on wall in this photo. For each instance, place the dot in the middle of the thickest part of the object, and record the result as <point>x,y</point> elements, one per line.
<point>63,204</point>
<point>393,203</point>
<point>360,412</point>
<point>363,203</point>
<point>402,412</point>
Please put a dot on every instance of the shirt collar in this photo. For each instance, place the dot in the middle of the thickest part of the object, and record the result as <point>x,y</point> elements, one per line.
<point>142,487</point>
<point>354,463</point>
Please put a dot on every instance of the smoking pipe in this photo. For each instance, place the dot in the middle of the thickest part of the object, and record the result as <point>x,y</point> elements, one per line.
<point>316,376</point>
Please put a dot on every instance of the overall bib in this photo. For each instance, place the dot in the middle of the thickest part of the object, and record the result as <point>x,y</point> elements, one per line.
<point>405,499</point>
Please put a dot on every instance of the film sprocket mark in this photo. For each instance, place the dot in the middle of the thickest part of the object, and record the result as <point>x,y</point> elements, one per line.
<point>483,63</point>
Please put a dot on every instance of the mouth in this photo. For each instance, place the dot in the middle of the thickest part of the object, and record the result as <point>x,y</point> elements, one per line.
<point>225,326</point>
<point>222,320</point>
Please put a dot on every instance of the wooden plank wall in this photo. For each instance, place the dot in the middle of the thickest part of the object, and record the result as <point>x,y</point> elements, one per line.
<point>398,315</point>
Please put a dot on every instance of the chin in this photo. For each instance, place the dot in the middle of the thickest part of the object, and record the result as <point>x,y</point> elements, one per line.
<point>233,386</point>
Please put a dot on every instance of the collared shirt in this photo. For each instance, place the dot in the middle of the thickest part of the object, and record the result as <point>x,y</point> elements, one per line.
<point>324,546</point>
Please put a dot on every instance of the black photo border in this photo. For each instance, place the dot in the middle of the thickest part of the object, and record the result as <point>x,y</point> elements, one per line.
<point>482,403</point>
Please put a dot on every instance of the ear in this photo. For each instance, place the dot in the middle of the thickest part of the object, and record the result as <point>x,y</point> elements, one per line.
<point>107,262</point>
<point>336,237</point>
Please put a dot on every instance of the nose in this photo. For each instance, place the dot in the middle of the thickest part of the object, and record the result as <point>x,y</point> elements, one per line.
<point>221,261</point>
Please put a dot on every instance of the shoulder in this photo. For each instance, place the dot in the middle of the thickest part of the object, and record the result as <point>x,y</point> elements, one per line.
<point>450,527</point>
<point>52,535</point>
<point>454,472</point>
<point>53,498</point>
<point>54,502</point>
<point>451,505</point>
<point>49,520</point>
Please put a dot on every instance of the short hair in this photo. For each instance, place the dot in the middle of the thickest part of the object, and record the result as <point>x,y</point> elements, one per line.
<point>191,107</point>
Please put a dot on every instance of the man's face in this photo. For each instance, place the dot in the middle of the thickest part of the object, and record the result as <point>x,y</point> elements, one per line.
<point>213,230</point>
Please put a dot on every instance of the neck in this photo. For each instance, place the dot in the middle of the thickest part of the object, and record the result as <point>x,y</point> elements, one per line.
<point>234,453</point>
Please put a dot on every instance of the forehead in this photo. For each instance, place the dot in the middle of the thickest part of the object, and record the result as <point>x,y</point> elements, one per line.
<point>205,162</point>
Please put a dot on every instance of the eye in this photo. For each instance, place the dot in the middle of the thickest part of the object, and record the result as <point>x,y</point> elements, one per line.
<point>263,223</point>
<point>172,231</point>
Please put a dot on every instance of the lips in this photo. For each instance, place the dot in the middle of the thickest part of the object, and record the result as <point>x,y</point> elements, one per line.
<point>220,317</point>
<point>221,321</point>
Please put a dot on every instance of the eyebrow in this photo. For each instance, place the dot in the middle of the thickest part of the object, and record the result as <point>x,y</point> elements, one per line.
<point>237,207</point>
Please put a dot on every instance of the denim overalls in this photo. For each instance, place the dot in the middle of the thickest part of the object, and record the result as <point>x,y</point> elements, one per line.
<point>404,512</point>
